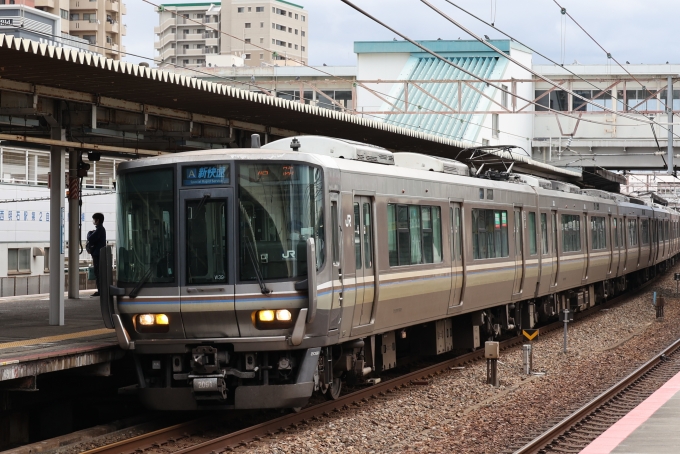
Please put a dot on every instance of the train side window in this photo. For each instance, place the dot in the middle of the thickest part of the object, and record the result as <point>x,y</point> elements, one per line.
<point>616,233</point>
<point>544,233</point>
<point>368,236</point>
<point>436,235</point>
<point>414,234</point>
<point>392,234</point>
<point>632,232</point>
<point>532,233</point>
<point>571,232</point>
<point>622,227</point>
<point>489,234</point>
<point>644,227</point>
<point>598,233</point>
<point>334,232</point>
<point>458,241</point>
<point>554,231</point>
<point>357,237</point>
<point>403,237</point>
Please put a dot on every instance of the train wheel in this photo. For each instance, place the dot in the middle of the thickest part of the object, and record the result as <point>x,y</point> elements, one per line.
<point>333,391</point>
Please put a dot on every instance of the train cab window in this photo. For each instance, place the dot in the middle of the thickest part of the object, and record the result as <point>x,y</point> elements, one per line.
<point>532,234</point>
<point>146,227</point>
<point>544,233</point>
<point>414,234</point>
<point>571,232</point>
<point>598,233</point>
<point>280,207</point>
<point>644,227</point>
<point>489,234</point>
<point>632,232</point>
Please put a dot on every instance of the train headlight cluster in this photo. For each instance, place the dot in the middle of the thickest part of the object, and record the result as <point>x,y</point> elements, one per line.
<point>153,323</point>
<point>273,319</point>
<point>281,315</point>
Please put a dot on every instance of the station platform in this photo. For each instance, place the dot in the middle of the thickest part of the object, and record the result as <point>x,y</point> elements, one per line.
<point>650,428</point>
<point>30,347</point>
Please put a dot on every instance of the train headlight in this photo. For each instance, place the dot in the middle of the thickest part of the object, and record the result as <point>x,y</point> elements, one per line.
<point>162,319</point>
<point>265,316</point>
<point>283,315</point>
<point>146,319</point>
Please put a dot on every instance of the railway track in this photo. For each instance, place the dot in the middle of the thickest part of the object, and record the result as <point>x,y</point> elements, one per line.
<point>172,438</point>
<point>579,429</point>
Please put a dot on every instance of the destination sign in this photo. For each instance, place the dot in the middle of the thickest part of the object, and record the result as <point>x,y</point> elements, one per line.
<point>205,175</point>
<point>276,172</point>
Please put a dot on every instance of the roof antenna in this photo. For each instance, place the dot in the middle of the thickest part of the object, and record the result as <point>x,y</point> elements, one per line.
<point>295,144</point>
<point>255,141</point>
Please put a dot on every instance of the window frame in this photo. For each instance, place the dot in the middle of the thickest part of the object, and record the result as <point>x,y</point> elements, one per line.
<point>19,251</point>
<point>395,231</point>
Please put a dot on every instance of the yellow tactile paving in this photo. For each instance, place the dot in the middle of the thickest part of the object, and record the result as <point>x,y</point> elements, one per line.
<point>61,337</point>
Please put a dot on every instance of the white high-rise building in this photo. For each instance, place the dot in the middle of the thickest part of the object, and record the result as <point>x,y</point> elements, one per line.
<point>250,32</point>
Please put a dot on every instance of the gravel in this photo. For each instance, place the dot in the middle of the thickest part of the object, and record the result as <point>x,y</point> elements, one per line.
<point>458,412</point>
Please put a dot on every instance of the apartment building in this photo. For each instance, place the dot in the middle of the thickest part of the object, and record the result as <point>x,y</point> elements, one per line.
<point>99,23</point>
<point>269,32</point>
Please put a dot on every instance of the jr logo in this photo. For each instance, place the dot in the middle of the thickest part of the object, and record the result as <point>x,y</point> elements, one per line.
<point>289,255</point>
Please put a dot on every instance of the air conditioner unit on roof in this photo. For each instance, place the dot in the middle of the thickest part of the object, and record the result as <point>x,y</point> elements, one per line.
<point>565,187</point>
<point>598,193</point>
<point>536,182</point>
<point>431,163</point>
<point>335,148</point>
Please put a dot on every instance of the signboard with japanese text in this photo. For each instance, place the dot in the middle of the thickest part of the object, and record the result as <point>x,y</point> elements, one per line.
<point>205,175</point>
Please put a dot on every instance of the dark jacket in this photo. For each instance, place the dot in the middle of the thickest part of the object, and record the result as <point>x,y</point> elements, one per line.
<point>97,240</point>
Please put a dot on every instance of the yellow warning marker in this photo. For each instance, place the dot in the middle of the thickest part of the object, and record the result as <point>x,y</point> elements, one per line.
<point>530,334</point>
<point>62,337</point>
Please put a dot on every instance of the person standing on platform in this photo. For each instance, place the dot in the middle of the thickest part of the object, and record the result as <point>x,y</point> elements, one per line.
<point>96,240</point>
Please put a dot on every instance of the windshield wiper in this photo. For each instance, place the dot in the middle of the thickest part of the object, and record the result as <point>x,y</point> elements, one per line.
<point>140,284</point>
<point>256,267</point>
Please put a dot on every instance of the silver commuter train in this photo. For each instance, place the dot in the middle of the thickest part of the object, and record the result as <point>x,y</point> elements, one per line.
<point>409,255</point>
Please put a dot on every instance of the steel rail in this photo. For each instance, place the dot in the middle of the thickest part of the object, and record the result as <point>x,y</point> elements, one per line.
<point>540,442</point>
<point>163,436</point>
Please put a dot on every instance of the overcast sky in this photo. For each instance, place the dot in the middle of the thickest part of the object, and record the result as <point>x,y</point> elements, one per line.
<point>631,30</point>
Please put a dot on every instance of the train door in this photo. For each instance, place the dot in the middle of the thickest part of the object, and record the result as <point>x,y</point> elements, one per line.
<point>336,256</point>
<point>623,228</point>
<point>456,255</point>
<point>519,263</point>
<point>555,251</point>
<point>207,288</point>
<point>364,256</point>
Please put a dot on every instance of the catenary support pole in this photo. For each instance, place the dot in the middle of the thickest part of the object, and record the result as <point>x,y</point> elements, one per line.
<point>73,222</point>
<point>57,158</point>
<point>669,109</point>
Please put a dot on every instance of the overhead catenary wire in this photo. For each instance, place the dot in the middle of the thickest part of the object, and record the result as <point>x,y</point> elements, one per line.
<point>610,56</point>
<point>530,70</point>
<point>512,38</point>
<point>481,79</point>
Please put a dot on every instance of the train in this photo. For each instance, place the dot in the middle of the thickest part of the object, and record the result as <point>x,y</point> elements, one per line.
<point>256,278</point>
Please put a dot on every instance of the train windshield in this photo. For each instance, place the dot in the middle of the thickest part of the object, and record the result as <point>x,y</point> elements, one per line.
<point>280,206</point>
<point>145,227</point>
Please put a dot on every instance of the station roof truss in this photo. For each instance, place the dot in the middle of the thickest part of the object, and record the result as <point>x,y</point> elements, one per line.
<point>122,108</point>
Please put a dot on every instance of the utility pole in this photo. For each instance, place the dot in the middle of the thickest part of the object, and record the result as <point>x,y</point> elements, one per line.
<point>669,109</point>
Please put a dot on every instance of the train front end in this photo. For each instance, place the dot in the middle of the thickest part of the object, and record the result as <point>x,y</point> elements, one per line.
<point>223,290</point>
